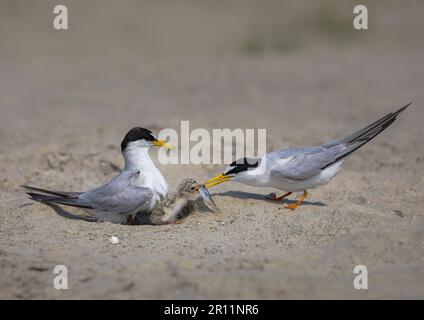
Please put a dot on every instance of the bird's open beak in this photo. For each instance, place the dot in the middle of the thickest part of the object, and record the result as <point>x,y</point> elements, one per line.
<point>162,143</point>
<point>217,180</point>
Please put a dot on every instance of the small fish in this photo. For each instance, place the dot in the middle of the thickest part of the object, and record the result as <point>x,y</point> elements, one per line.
<point>207,198</point>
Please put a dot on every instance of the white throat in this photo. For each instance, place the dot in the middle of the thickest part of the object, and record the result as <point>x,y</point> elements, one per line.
<point>138,158</point>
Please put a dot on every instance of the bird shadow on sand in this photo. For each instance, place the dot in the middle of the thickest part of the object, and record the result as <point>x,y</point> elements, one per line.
<point>198,203</point>
<point>256,196</point>
<point>67,215</point>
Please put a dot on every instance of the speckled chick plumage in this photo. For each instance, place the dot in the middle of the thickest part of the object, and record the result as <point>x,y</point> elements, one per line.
<point>173,206</point>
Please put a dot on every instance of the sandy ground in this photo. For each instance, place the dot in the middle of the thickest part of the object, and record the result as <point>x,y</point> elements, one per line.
<point>63,113</point>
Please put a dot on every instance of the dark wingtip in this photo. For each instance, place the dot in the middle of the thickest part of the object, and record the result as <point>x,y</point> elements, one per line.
<point>393,117</point>
<point>27,187</point>
<point>403,108</point>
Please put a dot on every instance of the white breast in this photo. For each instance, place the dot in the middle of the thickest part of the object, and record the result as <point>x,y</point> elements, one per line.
<point>154,180</point>
<point>137,158</point>
<point>318,180</point>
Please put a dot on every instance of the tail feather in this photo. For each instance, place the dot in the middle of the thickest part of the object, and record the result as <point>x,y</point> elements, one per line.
<point>68,201</point>
<point>358,139</point>
<point>41,197</point>
<point>378,126</point>
<point>63,194</point>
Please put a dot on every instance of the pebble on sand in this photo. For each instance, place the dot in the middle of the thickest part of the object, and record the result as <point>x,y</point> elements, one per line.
<point>114,240</point>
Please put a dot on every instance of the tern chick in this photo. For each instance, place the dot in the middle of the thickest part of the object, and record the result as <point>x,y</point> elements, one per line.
<point>173,207</point>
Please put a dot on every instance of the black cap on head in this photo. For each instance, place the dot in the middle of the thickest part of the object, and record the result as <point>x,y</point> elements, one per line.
<point>243,164</point>
<point>135,134</point>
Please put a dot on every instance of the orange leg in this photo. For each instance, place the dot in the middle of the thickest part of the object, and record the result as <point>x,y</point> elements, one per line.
<point>283,196</point>
<point>294,206</point>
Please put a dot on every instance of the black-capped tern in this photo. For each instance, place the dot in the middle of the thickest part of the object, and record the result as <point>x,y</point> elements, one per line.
<point>138,187</point>
<point>300,169</point>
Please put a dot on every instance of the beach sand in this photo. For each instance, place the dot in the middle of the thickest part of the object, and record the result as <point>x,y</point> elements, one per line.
<point>66,102</point>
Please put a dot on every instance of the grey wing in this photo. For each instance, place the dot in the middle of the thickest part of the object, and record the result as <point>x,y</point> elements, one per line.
<point>301,163</point>
<point>304,163</point>
<point>119,201</point>
<point>118,196</point>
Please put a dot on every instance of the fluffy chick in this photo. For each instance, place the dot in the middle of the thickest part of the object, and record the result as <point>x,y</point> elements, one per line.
<point>173,207</point>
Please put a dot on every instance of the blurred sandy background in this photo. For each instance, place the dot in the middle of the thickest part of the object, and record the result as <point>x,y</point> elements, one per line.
<point>296,68</point>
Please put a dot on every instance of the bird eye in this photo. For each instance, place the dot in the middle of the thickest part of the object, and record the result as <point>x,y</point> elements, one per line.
<point>192,188</point>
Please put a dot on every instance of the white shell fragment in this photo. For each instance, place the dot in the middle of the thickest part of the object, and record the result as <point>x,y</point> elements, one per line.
<point>114,240</point>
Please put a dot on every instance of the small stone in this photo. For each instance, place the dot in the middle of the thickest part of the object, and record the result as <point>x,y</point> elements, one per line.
<point>114,240</point>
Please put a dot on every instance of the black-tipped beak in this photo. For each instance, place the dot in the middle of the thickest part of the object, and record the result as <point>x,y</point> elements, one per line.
<point>217,180</point>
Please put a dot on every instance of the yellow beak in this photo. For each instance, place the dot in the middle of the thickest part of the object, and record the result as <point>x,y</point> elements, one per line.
<point>161,143</point>
<point>217,180</point>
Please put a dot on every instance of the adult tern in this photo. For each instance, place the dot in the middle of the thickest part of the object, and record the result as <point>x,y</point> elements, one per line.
<point>300,169</point>
<point>137,188</point>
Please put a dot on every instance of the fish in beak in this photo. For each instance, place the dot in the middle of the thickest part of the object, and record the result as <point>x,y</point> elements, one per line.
<point>207,198</point>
